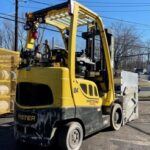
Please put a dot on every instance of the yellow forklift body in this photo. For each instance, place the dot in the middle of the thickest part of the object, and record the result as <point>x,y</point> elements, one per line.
<point>79,13</point>
<point>58,80</point>
<point>53,95</point>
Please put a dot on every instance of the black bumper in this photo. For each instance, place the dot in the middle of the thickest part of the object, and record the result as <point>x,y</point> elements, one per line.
<point>35,126</point>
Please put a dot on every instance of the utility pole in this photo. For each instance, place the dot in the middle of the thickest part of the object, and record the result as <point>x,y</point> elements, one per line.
<point>53,42</point>
<point>16,25</point>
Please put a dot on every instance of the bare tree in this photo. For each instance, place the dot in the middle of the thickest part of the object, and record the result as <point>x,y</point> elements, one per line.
<point>127,42</point>
<point>1,37</point>
<point>7,36</point>
<point>21,36</point>
<point>147,46</point>
<point>147,50</point>
<point>40,35</point>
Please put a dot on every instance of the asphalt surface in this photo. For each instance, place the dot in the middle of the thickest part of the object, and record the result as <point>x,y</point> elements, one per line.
<point>133,136</point>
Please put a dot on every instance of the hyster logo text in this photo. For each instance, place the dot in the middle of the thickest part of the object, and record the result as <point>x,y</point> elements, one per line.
<point>26,117</point>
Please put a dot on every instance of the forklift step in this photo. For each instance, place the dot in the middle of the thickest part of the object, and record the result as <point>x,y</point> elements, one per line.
<point>106,120</point>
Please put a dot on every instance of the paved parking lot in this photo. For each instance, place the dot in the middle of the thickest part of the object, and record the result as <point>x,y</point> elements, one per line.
<point>133,136</point>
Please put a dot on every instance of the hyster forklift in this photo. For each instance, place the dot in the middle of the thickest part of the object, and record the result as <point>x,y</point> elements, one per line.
<point>65,94</point>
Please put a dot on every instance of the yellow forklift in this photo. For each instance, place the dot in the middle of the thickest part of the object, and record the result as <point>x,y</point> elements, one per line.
<point>64,94</point>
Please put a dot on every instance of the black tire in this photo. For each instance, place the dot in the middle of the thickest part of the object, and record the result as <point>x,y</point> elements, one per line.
<point>70,136</point>
<point>116,117</point>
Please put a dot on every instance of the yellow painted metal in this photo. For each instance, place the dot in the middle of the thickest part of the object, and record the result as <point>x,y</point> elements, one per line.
<point>72,49</point>
<point>111,92</point>
<point>54,77</point>
<point>55,24</point>
<point>83,99</point>
<point>87,11</point>
<point>30,41</point>
<point>55,15</point>
<point>57,78</point>
<point>109,97</point>
<point>55,12</point>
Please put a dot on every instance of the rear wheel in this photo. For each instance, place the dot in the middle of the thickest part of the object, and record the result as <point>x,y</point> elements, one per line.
<point>70,136</point>
<point>116,117</point>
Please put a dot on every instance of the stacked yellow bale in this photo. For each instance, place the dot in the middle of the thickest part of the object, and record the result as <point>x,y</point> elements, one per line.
<point>9,61</point>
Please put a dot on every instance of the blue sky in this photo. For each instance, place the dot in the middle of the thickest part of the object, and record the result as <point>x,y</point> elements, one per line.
<point>135,11</point>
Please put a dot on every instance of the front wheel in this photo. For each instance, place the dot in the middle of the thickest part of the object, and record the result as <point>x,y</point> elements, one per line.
<point>70,136</point>
<point>116,117</point>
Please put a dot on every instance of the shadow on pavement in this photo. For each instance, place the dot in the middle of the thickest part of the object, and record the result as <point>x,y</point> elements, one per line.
<point>104,130</point>
<point>138,129</point>
<point>8,142</point>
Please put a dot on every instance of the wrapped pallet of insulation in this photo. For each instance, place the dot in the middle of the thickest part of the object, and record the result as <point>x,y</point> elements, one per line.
<point>9,61</point>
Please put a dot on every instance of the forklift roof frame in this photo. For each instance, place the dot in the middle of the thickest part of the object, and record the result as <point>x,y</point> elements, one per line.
<point>59,15</point>
<point>70,15</point>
